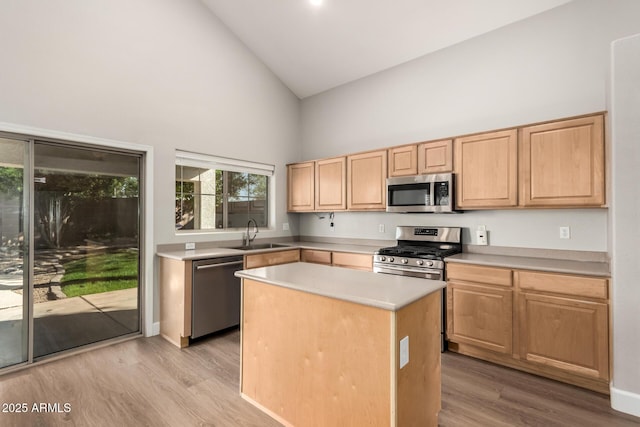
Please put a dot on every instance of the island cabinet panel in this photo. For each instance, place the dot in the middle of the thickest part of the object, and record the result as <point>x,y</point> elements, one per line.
<point>271,258</point>
<point>331,184</point>
<point>175,300</point>
<point>417,404</point>
<point>366,181</point>
<point>562,163</point>
<point>403,160</point>
<point>311,360</point>
<point>311,380</point>
<point>435,157</point>
<point>487,167</point>
<point>301,187</point>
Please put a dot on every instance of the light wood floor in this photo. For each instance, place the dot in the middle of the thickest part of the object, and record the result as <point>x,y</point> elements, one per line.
<point>149,382</point>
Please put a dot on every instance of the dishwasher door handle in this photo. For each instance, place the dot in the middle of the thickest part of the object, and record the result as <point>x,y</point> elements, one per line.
<point>222,264</point>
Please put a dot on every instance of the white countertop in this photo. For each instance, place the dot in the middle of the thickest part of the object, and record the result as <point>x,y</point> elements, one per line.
<point>184,255</point>
<point>384,291</point>
<point>600,269</point>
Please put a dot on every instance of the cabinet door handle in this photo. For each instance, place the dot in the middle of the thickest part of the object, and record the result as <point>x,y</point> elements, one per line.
<point>222,264</point>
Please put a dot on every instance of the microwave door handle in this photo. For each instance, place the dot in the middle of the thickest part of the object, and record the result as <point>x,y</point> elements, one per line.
<point>429,199</point>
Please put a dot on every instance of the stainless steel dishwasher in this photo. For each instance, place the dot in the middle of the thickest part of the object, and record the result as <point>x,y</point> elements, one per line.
<point>216,295</point>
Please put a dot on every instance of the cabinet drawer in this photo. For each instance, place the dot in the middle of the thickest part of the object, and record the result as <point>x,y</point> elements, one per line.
<point>271,258</point>
<point>590,287</point>
<point>315,256</point>
<point>350,260</point>
<point>474,273</point>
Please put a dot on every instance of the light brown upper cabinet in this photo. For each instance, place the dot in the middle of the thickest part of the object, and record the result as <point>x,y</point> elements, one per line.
<point>486,167</point>
<point>300,192</point>
<point>366,181</point>
<point>331,183</point>
<point>403,161</point>
<point>435,157</point>
<point>562,163</point>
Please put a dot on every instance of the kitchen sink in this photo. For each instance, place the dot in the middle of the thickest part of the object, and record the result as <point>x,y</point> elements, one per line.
<point>259,246</point>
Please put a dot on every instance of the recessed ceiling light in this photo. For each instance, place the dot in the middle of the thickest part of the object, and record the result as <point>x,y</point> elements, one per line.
<point>316,2</point>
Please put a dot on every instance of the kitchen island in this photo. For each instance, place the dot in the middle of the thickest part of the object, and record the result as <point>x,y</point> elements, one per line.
<point>326,345</point>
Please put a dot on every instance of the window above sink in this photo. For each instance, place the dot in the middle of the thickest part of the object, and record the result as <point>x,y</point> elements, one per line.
<point>218,194</point>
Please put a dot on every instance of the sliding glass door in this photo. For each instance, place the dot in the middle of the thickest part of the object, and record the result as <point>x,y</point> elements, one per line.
<point>86,246</point>
<point>70,230</point>
<point>14,261</point>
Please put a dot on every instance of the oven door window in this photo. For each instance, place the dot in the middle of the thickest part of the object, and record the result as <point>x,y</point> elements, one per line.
<point>410,195</point>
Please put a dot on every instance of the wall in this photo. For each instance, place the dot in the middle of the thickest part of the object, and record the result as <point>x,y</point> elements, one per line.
<point>550,66</point>
<point>163,73</point>
<point>625,211</point>
<point>160,72</point>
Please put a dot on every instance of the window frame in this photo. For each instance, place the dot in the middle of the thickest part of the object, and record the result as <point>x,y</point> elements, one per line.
<point>226,165</point>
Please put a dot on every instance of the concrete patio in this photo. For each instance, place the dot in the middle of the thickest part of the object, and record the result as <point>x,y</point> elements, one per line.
<point>66,323</point>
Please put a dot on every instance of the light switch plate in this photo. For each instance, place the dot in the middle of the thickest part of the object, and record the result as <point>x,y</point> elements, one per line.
<point>404,352</point>
<point>285,226</point>
<point>189,246</point>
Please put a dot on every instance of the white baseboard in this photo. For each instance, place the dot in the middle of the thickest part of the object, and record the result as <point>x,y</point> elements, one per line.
<point>625,401</point>
<point>155,330</point>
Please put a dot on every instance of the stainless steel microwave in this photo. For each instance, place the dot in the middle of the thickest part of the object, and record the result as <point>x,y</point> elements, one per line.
<point>421,193</point>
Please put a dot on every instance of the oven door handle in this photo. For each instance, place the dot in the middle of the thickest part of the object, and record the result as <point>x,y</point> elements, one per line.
<point>408,271</point>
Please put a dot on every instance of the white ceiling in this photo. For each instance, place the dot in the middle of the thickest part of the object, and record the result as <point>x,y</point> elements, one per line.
<point>315,48</point>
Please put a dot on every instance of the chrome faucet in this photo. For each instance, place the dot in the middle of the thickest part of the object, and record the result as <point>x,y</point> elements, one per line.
<point>255,232</point>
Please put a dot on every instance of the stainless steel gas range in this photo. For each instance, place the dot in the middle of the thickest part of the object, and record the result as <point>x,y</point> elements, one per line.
<point>420,252</point>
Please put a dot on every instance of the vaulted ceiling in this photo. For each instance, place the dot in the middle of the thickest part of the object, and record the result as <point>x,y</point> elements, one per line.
<point>313,48</point>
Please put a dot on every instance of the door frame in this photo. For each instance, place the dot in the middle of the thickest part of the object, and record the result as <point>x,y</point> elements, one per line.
<point>146,239</point>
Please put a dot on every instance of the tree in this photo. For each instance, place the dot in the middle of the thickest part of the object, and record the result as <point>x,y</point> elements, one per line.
<point>58,195</point>
<point>11,182</point>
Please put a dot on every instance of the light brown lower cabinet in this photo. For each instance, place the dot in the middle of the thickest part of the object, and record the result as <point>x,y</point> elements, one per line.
<point>315,256</point>
<point>176,286</point>
<point>554,325</point>
<point>175,300</point>
<point>352,260</point>
<point>481,316</point>
<point>564,322</point>
<point>271,258</point>
<point>479,307</point>
<point>338,259</point>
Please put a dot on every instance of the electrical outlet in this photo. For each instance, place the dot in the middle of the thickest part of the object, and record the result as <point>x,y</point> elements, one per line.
<point>481,235</point>
<point>565,232</point>
<point>189,246</point>
<point>285,226</point>
<point>380,228</point>
<point>404,352</point>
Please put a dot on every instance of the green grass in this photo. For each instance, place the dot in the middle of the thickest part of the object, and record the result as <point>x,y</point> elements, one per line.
<point>98,273</point>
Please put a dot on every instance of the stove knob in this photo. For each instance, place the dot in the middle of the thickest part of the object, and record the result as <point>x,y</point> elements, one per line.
<point>420,262</point>
<point>404,260</point>
<point>390,259</point>
<point>429,263</point>
<point>383,258</point>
